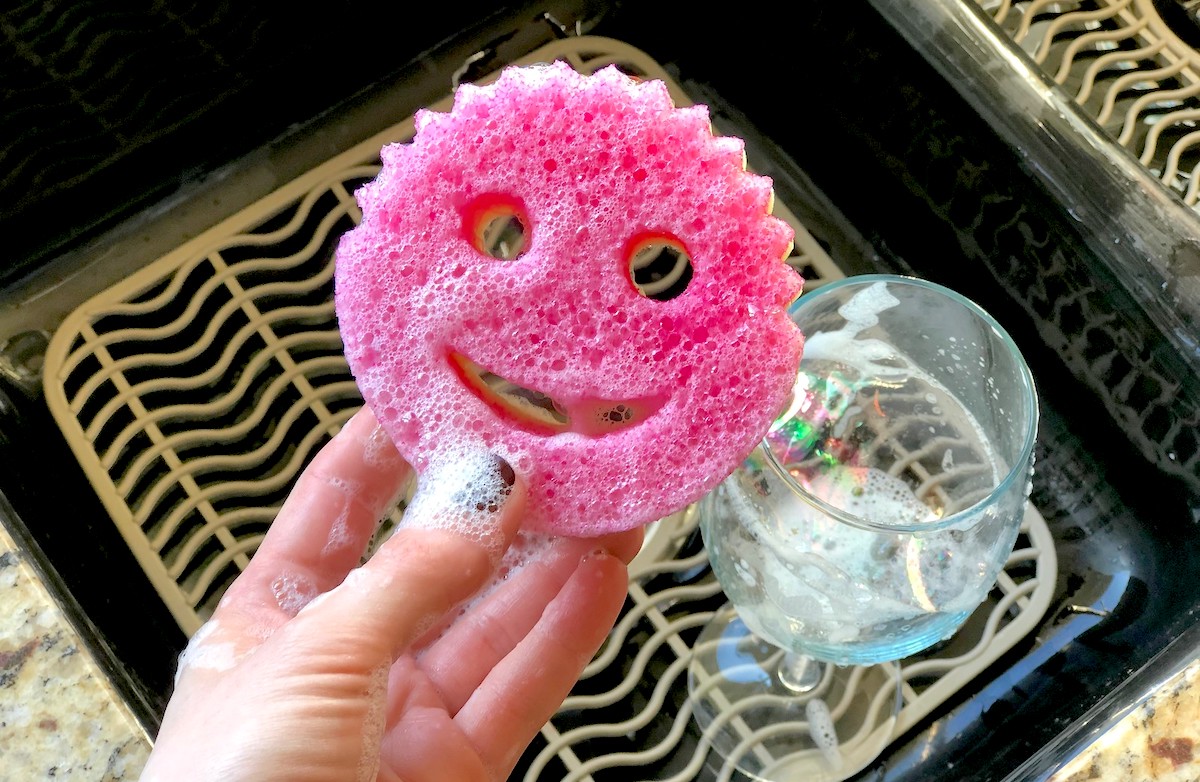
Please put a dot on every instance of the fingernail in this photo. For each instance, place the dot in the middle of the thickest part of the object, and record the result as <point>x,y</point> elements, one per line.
<point>507,474</point>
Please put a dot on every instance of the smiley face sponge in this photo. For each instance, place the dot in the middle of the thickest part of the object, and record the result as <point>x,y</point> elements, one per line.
<point>491,297</point>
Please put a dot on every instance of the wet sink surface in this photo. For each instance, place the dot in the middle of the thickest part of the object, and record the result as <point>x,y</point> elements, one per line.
<point>891,171</point>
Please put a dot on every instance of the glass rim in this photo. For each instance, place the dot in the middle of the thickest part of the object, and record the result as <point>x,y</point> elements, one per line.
<point>1019,465</point>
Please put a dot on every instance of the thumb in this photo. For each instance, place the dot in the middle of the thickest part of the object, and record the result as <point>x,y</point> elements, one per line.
<point>454,533</point>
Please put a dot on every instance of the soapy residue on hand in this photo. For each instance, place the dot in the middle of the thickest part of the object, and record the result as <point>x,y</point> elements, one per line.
<point>205,653</point>
<point>462,492</point>
<point>293,592</point>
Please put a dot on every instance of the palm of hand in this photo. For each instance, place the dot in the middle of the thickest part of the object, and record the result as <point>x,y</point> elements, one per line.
<point>314,669</point>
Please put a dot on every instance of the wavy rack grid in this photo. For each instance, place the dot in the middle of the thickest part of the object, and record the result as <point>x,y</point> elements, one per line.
<point>194,393</point>
<point>1129,66</point>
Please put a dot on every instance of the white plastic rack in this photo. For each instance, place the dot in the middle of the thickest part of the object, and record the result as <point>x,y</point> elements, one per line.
<point>1127,68</point>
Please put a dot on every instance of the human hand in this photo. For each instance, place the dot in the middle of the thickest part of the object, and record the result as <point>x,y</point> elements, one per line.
<point>313,668</point>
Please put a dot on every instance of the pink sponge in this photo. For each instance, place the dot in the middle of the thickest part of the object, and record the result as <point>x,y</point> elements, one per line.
<point>493,297</point>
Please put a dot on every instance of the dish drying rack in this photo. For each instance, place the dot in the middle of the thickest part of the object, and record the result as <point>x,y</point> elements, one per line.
<point>195,391</point>
<point>1127,66</point>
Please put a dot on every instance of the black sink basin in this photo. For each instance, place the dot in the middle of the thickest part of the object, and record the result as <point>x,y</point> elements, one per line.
<point>891,169</point>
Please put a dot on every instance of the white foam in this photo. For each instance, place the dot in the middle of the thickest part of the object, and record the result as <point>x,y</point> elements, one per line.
<point>202,653</point>
<point>293,592</point>
<point>823,732</point>
<point>872,357</point>
<point>871,494</point>
<point>379,451</point>
<point>462,491</point>
<point>526,548</point>
<point>340,534</point>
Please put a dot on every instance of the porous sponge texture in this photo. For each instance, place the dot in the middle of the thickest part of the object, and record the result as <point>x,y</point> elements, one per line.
<point>593,165</point>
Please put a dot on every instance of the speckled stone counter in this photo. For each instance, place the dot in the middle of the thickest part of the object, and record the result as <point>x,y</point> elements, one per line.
<point>60,717</point>
<point>1159,740</point>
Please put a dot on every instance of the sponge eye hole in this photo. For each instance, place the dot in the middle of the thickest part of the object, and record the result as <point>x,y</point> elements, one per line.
<point>503,236</point>
<point>659,267</point>
<point>498,229</point>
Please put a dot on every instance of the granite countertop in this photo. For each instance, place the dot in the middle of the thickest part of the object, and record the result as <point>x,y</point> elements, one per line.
<point>1159,740</point>
<point>60,716</point>
<point>62,719</point>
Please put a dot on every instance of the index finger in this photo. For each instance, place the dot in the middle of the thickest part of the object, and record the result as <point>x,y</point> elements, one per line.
<point>325,524</point>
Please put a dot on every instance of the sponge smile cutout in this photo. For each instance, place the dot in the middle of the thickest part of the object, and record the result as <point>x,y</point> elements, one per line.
<point>539,413</point>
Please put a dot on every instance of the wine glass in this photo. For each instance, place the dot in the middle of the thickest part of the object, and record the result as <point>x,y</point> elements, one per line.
<point>868,525</point>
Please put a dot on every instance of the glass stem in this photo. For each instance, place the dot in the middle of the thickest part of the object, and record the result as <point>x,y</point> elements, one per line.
<point>799,672</point>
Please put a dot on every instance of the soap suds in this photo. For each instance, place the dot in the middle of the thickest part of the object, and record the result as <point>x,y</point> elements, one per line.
<point>823,732</point>
<point>340,534</point>
<point>203,653</point>
<point>379,452</point>
<point>293,592</point>
<point>462,492</point>
<point>356,579</point>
